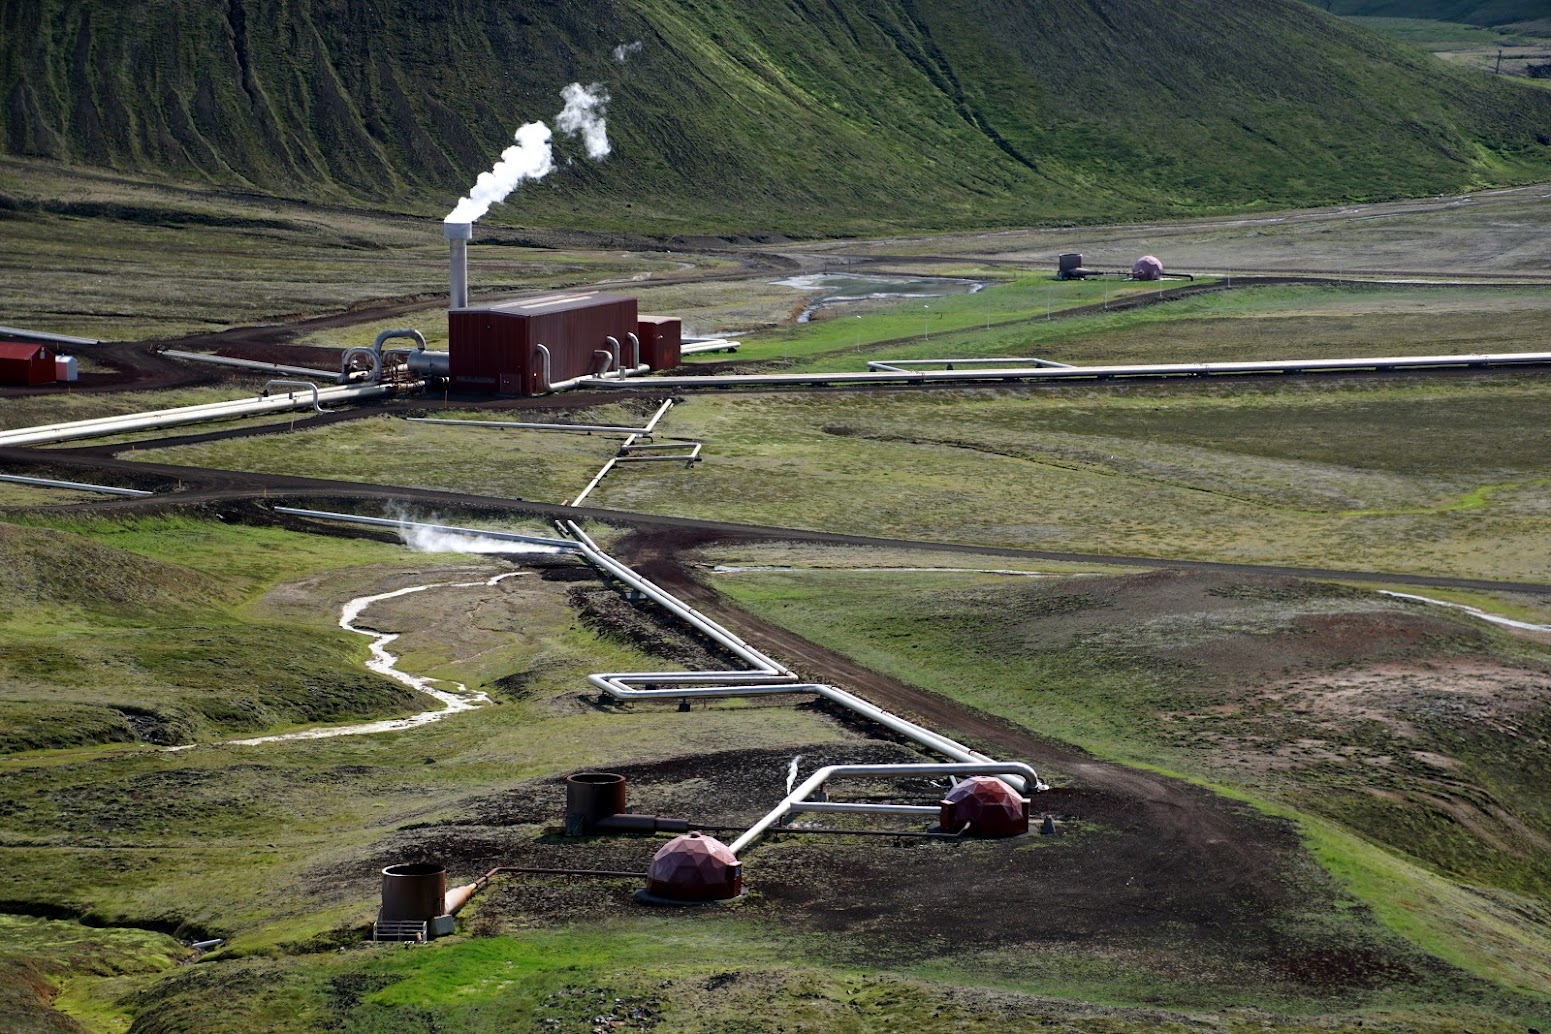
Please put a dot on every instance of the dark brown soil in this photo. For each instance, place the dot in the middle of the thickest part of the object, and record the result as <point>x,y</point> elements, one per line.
<point>642,625</point>
<point>1113,879</point>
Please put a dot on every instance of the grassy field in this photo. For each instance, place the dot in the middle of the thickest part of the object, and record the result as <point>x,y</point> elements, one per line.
<point>393,451</point>
<point>1400,745</point>
<point>1246,471</point>
<point>1234,472</point>
<point>140,843</point>
<point>1499,234</point>
<point>1025,318</point>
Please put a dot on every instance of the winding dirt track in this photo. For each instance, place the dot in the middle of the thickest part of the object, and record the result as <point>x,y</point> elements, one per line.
<point>179,486</point>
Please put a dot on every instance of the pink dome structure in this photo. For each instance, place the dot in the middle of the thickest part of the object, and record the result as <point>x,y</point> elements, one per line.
<point>694,867</point>
<point>1147,268</point>
<point>989,806</point>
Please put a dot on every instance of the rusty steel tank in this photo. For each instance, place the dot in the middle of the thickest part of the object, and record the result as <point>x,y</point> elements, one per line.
<point>987,805</point>
<point>595,805</point>
<point>693,869</point>
<point>1071,268</point>
<point>413,891</point>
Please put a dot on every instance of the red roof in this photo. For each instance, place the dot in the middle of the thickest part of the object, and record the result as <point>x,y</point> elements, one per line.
<point>20,350</point>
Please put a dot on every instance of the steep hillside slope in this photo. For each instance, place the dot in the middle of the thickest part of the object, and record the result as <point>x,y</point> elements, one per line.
<point>783,115</point>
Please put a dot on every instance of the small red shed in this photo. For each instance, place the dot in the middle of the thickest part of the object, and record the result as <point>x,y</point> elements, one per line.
<point>662,341</point>
<point>496,348</point>
<point>25,364</point>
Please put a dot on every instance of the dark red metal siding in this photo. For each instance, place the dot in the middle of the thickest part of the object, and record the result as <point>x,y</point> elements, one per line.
<point>662,341</point>
<point>574,335</point>
<point>26,364</point>
<point>489,351</point>
<point>492,349</point>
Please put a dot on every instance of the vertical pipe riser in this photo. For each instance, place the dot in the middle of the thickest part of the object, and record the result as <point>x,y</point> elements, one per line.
<point>458,237</point>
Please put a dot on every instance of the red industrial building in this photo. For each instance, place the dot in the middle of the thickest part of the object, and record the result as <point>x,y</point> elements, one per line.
<point>502,348</point>
<point>24,364</point>
<point>533,345</point>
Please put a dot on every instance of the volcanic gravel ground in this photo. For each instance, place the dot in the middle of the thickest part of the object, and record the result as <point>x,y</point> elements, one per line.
<point>1145,859</point>
<point>1118,879</point>
<point>1140,865</point>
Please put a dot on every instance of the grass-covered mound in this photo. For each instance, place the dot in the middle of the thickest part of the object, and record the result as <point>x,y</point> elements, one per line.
<point>807,119</point>
<point>100,644</point>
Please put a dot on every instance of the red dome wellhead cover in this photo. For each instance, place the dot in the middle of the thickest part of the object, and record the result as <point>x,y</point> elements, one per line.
<point>694,867</point>
<point>1147,268</point>
<point>989,806</point>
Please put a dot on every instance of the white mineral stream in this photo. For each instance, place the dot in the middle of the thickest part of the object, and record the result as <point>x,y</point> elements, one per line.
<point>1496,619</point>
<point>453,700</point>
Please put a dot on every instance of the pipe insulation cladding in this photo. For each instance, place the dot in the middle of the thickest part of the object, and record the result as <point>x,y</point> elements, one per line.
<point>458,237</point>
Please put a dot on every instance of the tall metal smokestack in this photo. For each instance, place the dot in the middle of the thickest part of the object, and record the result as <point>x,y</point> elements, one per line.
<point>458,236</point>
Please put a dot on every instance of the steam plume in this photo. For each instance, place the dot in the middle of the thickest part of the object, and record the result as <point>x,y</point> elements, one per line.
<point>791,773</point>
<point>427,540</point>
<point>583,117</point>
<point>623,52</point>
<point>532,157</point>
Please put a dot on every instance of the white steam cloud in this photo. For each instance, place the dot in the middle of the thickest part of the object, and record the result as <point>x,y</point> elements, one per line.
<point>625,51</point>
<point>428,540</point>
<point>582,116</point>
<point>532,157</point>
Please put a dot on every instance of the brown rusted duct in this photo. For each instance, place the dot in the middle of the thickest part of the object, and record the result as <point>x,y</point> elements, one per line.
<point>595,804</point>
<point>457,897</point>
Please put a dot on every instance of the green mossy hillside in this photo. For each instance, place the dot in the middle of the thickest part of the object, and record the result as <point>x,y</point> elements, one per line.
<point>774,116</point>
<point>1467,12</point>
<point>42,566</point>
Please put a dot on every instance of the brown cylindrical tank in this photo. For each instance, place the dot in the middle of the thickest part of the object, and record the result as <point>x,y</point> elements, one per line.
<point>987,805</point>
<point>1070,261</point>
<point>591,797</point>
<point>415,891</point>
<point>694,867</point>
<point>595,805</point>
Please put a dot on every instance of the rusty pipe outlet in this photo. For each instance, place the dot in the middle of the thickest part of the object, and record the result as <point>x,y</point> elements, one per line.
<point>595,805</point>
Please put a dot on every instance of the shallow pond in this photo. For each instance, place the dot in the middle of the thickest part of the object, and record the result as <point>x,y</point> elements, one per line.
<point>839,288</point>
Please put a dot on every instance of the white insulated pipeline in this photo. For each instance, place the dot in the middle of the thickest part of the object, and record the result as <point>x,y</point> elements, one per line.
<point>644,430</point>
<point>445,529</point>
<point>76,485</point>
<point>102,426</point>
<point>1029,372</point>
<point>420,361</point>
<point>763,677</point>
<point>899,365</point>
<point>254,364</point>
<point>1011,772</point>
